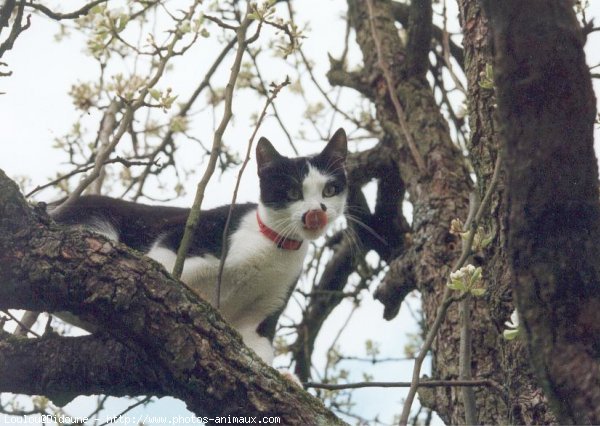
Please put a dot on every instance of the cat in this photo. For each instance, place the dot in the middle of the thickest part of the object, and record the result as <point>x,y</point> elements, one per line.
<point>267,242</point>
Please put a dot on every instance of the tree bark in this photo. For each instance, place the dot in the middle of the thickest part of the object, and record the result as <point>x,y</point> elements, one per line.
<point>525,401</point>
<point>79,366</point>
<point>546,108</point>
<point>191,352</point>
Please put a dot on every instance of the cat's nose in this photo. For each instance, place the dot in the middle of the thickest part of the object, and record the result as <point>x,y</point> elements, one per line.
<point>314,219</point>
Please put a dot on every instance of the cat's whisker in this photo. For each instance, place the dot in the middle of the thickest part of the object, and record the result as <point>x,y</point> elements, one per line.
<point>356,246</point>
<point>366,227</point>
<point>286,227</point>
<point>357,209</point>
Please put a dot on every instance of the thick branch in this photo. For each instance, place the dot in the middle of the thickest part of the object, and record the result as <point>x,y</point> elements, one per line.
<point>195,355</point>
<point>85,365</point>
<point>194,216</point>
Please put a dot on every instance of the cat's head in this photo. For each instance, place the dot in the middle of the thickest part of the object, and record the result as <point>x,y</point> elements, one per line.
<point>302,196</point>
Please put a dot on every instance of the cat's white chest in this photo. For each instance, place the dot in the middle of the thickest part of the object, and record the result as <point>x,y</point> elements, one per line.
<point>257,276</point>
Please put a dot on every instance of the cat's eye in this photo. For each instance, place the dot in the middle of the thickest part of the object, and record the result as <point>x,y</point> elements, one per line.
<point>330,190</point>
<point>293,194</point>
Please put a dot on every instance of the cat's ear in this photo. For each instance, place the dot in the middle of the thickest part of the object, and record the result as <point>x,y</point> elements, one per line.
<point>265,153</point>
<point>337,147</point>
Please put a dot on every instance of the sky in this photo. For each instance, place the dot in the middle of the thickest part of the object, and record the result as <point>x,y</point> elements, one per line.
<point>36,109</point>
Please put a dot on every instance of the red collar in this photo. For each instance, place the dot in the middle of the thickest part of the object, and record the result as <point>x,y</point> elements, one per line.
<point>281,241</point>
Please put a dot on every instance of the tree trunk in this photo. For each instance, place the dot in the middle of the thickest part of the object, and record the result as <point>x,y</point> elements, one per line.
<point>546,108</point>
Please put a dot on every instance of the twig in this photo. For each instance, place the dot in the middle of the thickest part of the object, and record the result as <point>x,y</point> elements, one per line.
<point>107,126</point>
<point>194,216</point>
<point>311,74</point>
<point>424,384</point>
<point>336,338</point>
<point>115,419</point>
<point>20,324</point>
<point>447,298</point>
<point>490,190</point>
<point>395,101</point>
<point>274,92</point>
<point>125,162</point>
<point>220,23</point>
<point>374,360</point>
<point>446,55</point>
<point>183,112</point>
<point>464,357</point>
<point>263,87</point>
<point>464,361</point>
<point>465,318</point>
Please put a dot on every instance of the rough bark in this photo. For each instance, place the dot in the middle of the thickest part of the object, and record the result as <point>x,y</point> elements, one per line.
<point>193,354</point>
<point>525,402</point>
<point>546,108</point>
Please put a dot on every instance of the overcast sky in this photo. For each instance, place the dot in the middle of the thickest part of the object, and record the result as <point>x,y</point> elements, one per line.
<point>36,109</point>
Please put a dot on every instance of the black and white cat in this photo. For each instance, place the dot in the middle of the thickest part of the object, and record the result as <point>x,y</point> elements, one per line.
<point>299,198</point>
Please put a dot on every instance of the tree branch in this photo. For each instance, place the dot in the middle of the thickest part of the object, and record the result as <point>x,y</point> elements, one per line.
<point>425,384</point>
<point>419,38</point>
<point>60,16</point>
<point>193,353</point>
<point>401,12</point>
<point>17,27</point>
<point>391,88</point>
<point>195,211</point>
<point>57,365</point>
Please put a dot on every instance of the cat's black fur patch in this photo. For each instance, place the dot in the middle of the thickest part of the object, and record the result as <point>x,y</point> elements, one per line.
<point>139,225</point>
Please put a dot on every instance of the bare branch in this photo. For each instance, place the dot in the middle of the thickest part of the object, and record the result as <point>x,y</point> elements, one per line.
<point>125,162</point>
<point>391,88</point>
<point>107,126</point>
<point>447,298</point>
<point>425,384</point>
<point>130,109</point>
<point>276,88</point>
<point>195,211</point>
<point>183,112</point>
<point>60,16</point>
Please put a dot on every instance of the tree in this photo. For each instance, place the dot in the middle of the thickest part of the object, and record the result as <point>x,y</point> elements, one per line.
<point>529,221</point>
